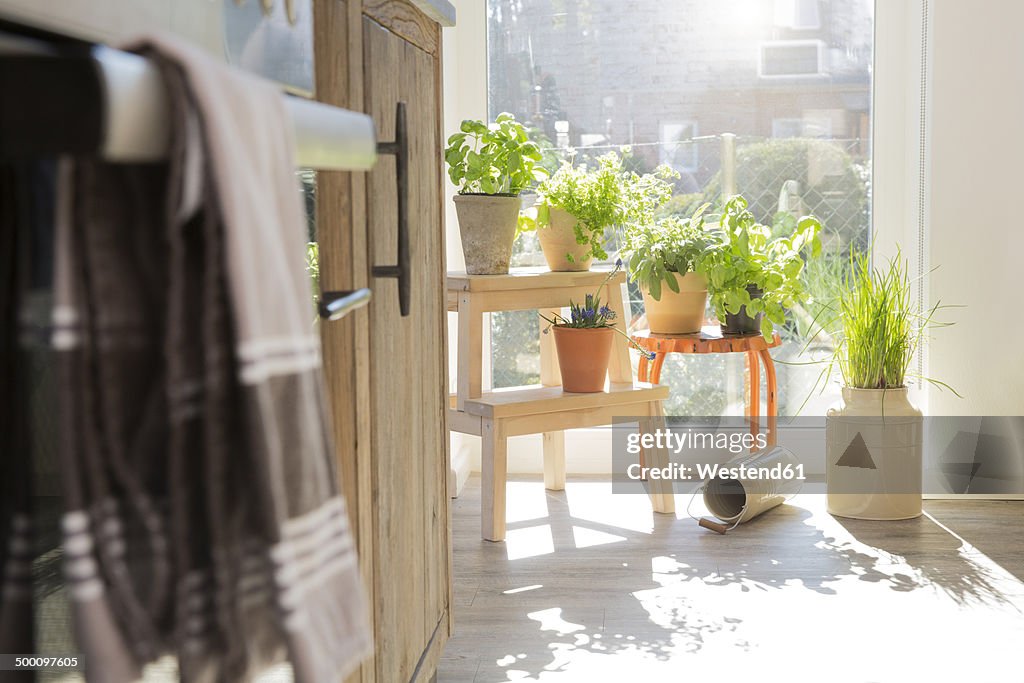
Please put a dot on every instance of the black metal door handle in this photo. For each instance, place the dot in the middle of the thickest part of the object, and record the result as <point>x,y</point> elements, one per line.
<point>400,271</point>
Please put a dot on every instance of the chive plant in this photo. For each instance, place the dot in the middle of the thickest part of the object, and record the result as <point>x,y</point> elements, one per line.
<point>879,329</point>
<point>878,340</point>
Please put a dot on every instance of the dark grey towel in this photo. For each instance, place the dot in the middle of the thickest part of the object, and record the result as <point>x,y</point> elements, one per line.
<point>204,517</point>
<point>16,627</point>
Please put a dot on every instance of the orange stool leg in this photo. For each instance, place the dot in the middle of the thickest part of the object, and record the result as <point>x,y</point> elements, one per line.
<point>773,399</point>
<point>753,393</point>
<point>641,370</point>
<point>659,360</point>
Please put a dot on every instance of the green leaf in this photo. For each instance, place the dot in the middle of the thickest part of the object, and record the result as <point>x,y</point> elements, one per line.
<point>655,290</point>
<point>670,279</point>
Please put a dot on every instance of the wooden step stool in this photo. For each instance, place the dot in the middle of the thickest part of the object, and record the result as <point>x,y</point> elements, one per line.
<point>547,409</point>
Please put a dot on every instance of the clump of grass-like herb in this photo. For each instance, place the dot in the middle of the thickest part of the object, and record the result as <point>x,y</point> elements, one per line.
<point>878,339</point>
<point>878,330</point>
<point>872,326</point>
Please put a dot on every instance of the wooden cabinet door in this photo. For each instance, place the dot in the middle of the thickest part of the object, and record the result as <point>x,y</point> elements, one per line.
<point>407,355</point>
<point>387,374</point>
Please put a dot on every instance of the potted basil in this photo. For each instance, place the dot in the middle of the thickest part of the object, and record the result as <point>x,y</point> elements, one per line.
<point>491,165</point>
<point>874,435</point>
<point>664,258</point>
<point>752,277</point>
<point>577,205</point>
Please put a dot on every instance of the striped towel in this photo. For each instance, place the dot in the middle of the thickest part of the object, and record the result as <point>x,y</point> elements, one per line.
<point>16,627</point>
<point>203,513</point>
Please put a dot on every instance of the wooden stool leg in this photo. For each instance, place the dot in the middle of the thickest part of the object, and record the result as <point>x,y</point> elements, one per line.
<point>660,490</point>
<point>620,370</point>
<point>753,384</point>
<point>659,360</point>
<point>641,370</point>
<point>773,396</point>
<point>469,380</point>
<point>554,461</point>
<point>550,376</point>
<point>494,466</point>
<point>753,394</point>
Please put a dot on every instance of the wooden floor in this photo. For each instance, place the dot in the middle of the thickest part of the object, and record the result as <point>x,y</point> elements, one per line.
<point>592,586</point>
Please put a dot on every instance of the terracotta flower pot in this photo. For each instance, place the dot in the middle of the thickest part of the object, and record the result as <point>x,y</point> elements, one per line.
<point>873,442</point>
<point>583,357</point>
<point>487,224</point>
<point>679,312</point>
<point>558,238</point>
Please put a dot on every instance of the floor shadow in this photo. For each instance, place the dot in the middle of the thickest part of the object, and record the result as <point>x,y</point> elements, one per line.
<point>634,593</point>
<point>937,556</point>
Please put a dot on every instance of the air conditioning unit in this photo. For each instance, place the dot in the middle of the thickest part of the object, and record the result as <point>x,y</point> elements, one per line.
<point>792,59</point>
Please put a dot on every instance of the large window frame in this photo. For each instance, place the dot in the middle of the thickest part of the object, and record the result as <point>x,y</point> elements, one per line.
<point>899,139</point>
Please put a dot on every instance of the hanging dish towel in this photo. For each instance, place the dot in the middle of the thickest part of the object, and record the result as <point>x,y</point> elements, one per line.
<point>204,518</point>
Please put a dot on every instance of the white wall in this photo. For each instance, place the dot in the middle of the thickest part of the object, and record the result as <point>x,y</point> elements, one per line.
<point>975,195</point>
<point>464,57</point>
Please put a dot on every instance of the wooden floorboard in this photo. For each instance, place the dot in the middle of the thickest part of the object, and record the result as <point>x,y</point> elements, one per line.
<point>592,586</point>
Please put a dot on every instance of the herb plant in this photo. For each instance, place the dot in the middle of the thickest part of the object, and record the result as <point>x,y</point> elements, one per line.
<point>600,198</point>
<point>592,314</point>
<point>879,331</point>
<point>742,253</point>
<point>655,253</point>
<point>495,159</point>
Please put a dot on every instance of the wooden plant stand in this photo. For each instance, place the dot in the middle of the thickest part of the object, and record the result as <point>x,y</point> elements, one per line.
<point>547,409</point>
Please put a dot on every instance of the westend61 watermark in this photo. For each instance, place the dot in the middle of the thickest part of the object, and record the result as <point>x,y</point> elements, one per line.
<point>855,454</point>
<point>704,471</point>
<point>677,441</point>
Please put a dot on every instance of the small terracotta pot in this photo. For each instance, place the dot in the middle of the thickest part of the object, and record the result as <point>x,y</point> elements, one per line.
<point>583,356</point>
<point>558,238</point>
<point>679,312</point>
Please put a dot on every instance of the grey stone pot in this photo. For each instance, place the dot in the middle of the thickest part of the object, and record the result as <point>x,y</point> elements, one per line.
<point>487,224</point>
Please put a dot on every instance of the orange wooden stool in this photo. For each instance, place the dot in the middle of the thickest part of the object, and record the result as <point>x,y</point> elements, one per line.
<point>711,340</point>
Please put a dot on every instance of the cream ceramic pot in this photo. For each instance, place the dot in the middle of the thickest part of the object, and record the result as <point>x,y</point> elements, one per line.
<point>679,312</point>
<point>873,455</point>
<point>558,238</point>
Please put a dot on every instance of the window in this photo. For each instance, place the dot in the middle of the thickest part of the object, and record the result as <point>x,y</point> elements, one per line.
<point>668,80</point>
<point>677,148</point>
<point>792,58</point>
<point>807,127</point>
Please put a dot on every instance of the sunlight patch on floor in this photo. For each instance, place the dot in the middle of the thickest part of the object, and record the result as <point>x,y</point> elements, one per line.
<point>752,620</point>
<point>551,620</point>
<point>586,538</point>
<point>529,542</point>
<point>595,502</point>
<point>526,500</point>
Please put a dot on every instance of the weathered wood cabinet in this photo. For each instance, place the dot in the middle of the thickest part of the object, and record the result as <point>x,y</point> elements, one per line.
<point>387,374</point>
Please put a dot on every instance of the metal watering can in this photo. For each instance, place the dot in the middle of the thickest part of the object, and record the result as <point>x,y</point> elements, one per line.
<point>736,495</point>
